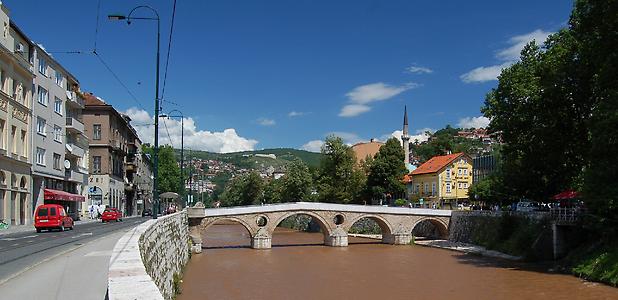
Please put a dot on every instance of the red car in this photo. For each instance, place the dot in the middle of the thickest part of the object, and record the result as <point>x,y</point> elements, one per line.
<point>111,214</point>
<point>52,216</point>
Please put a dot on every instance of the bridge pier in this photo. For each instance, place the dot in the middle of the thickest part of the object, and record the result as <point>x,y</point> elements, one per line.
<point>401,238</point>
<point>261,242</point>
<point>339,238</point>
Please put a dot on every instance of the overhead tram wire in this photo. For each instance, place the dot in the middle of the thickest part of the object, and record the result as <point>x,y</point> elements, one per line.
<point>169,47</point>
<point>168,134</point>
<point>118,79</point>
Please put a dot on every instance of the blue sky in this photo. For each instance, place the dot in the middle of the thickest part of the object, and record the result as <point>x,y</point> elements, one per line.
<point>264,74</point>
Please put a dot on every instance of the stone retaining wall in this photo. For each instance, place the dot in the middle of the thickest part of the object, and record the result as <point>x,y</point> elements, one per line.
<point>145,259</point>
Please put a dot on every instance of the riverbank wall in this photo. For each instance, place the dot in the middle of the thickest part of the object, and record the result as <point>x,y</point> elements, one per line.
<point>528,235</point>
<point>147,262</point>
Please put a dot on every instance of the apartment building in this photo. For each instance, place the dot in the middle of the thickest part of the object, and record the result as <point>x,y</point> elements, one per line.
<point>16,75</point>
<point>111,139</point>
<point>59,147</point>
<point>138,171</point>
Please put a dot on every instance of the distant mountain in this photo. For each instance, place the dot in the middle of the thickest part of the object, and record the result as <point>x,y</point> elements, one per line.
<point>247,159</point>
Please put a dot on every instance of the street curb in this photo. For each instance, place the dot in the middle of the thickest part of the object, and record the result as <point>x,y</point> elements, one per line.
<point>13,276</point>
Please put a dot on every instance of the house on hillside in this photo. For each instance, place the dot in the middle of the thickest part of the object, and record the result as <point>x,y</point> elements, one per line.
<point>442,181</point>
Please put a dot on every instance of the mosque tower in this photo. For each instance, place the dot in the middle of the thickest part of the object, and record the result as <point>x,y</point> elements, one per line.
<point>405,137</point>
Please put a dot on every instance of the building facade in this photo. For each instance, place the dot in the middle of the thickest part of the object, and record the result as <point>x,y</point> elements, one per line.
<point>111,139</point>
<point>442,181</point>
<point>16,76</point>
<point>483,166</point>
<point>59,147</point>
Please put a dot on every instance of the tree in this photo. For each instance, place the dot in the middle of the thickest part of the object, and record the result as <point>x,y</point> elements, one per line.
<point>297,182</point>
<point>273,191</point>
<point>339,181</point>
<point>168,179</point>
<point>246,189</point>
<point>387,171</point>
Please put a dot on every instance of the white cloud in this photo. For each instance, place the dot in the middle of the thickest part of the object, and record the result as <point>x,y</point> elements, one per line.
<point>353,110</point>
<point>507,56</point>
<point>482,74</point>
<point>420,136</point>
<point>296,114</point>
<point>418,70</point>
<point>360,97</point>
<point>225,141</point>
<point>473,122</point>
<point>266,122</point>
<point>348,138</point>
<point>313,146</point>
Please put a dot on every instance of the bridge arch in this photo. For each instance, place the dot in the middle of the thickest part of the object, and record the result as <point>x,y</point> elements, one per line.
<point>208,222</point>
<point>322,222</point>
<point>438,223</point>
<point>385,227</point>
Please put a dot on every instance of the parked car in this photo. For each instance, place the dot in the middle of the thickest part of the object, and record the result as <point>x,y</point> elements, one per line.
<point>527,206</point>
<point>52,216</point>
<point>147,212</point>
<point>111,214</point>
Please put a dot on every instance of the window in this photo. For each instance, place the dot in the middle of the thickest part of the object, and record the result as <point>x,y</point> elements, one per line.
<point>433,188</point>
<point>465,171</point>
<point>52,211</point>
<point>459,185</point>
<point>40,125</point>
<point>5,33</point>
<point>43,66</point>
<point>418,188</point>
<point>426,188</point>
<point>96,164</point>
<point>465,185</point>
<point>57,133</point>
<point>57,161</point>
<point>459,171</point>
<point>96,132</point>
<point>2,146</point>
<point>59,78</point>
<point>24,145</point>
<point>13,139</point>
<point>448,173</point>
<point>43,96</point>
<point>58,106</point>
<point>448,187</point>
<point>40,156</point>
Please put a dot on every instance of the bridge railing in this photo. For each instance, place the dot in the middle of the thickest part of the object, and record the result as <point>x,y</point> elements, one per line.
<point>567,215</point>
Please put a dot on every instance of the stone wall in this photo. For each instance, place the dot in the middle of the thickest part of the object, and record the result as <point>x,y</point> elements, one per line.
<point>146,259</point>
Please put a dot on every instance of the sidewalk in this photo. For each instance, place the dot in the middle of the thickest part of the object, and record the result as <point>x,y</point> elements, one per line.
<point>26,228</point>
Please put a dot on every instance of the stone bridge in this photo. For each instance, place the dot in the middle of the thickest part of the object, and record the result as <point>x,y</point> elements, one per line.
<point>335,221</point>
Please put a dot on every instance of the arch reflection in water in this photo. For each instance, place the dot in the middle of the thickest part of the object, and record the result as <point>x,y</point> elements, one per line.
<point>289,227</point>
<point>226,233</point>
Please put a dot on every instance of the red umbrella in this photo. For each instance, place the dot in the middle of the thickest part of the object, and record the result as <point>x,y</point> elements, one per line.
<point>568,194</point>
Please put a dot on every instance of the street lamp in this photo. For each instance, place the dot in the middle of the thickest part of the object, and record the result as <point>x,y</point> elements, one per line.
<point>155,193</point>
<point>182,143</point>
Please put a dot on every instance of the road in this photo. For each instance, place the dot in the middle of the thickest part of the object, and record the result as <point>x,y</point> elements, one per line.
<point>22,251</point>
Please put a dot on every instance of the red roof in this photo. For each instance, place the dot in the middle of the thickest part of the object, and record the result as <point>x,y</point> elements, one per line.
<point>50,194</point>
<point>568,194</point>
<point>436,163</point>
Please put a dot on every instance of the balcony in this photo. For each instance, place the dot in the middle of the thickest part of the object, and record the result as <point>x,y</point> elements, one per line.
<point>75,100</point>
<point>75,176</point>
<point>74,150</point>
<point>74,125</point>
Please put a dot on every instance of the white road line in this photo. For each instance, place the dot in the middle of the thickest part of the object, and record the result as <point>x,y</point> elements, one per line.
<point>14,245</point>
<point>18,238</point>
<point>83,234</point>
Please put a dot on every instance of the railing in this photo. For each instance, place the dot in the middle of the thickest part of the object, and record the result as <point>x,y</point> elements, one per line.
<point>563,215</point>
<point>75,124</point>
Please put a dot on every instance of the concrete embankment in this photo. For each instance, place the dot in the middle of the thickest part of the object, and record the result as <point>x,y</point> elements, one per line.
<point>147,262</point>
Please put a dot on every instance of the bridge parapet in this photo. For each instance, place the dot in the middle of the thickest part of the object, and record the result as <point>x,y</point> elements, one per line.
<point>335,221</point>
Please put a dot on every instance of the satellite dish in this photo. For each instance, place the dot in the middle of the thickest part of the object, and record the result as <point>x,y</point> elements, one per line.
<point>69,147</point>
<point>67,164</point>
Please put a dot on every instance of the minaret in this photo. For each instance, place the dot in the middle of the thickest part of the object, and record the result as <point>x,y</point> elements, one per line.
<point>405,137</point>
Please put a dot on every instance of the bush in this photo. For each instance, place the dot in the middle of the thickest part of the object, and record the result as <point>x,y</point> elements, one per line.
<point>400,202</point>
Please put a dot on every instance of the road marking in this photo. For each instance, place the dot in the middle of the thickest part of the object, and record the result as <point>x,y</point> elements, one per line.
<point>100,253</point>
<point>29,241</point>
<point>14,245</point>
<point>136,222</point>
<point>83,234</point>
<point>18,238</point>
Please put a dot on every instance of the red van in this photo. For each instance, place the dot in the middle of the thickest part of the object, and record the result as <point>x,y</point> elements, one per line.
<point>52,216</point>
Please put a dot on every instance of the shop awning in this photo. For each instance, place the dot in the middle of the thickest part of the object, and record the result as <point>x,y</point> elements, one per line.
<point>568,194</point>
<point>62,196</point>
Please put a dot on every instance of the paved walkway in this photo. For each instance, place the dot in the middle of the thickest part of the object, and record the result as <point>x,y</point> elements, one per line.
<point>78,274</point>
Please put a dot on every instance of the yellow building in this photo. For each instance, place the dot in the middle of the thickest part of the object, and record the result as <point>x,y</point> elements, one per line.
<point>442,180</point>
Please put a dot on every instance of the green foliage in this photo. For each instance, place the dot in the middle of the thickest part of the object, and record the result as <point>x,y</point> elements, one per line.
<point>487,190</point>
<point>273,191</point>
<point>339,181</point>
<point>297,182</point>
<point>514,235</point>
<point>443,141</point>
<point>401,202</point>
<point>386,171</point>
<point>599,263</point>
<point>168,179</point>
<point>247,160</point>
<point>243,190</point>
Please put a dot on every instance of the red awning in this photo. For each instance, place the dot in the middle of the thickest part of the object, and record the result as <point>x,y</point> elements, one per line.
<point>62,196</point>
<point>568,194</point>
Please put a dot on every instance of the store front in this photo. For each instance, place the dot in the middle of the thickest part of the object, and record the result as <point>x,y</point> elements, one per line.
<point>70,202</point>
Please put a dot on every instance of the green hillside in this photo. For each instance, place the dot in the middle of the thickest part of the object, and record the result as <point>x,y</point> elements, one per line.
<point>246,159</point>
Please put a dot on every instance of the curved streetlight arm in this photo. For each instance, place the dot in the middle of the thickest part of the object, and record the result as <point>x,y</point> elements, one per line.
<point>142,18</point>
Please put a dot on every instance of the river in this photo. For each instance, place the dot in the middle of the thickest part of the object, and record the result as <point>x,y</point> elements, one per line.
<point>299,267</point>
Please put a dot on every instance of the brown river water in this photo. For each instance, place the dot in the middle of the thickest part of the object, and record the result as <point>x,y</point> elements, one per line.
<point>299,267</point>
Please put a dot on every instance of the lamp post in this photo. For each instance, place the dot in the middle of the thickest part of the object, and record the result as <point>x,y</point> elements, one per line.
<point>129,18</point>
<point>182,144</point>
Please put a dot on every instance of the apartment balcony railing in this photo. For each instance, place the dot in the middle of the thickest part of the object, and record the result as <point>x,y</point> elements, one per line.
<point>75,100</point>
<point>74,125</point>
<point>74,175</point>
